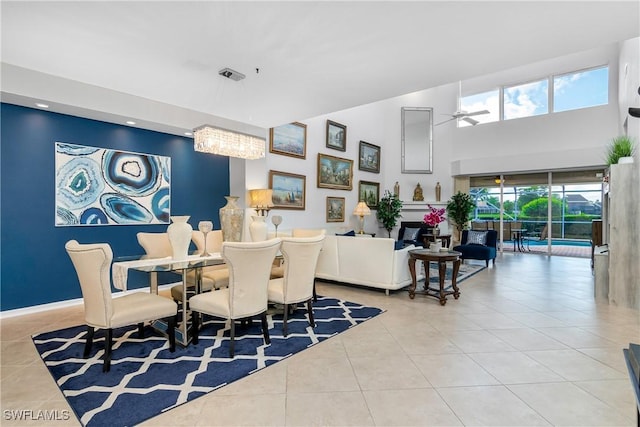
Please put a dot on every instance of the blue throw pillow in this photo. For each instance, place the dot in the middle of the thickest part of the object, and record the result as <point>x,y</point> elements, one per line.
<point>348,233</point>
<point>399,245</point>
<point>477,238</point>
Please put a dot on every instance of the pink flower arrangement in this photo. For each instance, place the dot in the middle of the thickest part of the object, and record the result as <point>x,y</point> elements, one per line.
<point>435,216</point>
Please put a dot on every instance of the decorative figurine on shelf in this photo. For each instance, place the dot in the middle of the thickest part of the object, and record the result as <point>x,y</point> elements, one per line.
<point>434,217</point>
<point>396,190</point>
<point>438,191</point>
<point>417,194</point>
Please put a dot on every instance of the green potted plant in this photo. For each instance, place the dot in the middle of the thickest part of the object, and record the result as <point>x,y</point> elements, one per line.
<point>620,147</point>
<point>459,208</point>
<point>389,210</point>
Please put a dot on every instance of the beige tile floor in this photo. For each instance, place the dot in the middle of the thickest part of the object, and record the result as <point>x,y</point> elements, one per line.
<point>524,345</point>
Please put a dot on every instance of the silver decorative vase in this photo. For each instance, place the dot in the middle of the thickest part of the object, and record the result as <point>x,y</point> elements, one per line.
<point>231,220</point>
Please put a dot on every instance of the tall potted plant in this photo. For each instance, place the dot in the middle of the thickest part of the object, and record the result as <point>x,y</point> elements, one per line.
<point>389,210</point>
<point>459,208</point>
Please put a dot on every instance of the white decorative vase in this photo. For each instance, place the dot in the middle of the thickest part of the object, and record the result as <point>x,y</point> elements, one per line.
<point>625,160</point>
<point>258,229</point>
<point>231,220</point>
<point>179,232</point>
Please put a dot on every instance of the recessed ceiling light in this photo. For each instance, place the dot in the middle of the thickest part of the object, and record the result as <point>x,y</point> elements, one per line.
<point>188,133</point>
<point>41,105</point>
<point>131,122</point>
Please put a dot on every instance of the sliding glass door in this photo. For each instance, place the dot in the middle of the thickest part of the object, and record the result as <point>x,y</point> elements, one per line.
<point>519,207</point>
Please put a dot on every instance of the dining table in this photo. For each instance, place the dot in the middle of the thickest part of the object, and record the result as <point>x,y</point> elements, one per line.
<point>194,262</point>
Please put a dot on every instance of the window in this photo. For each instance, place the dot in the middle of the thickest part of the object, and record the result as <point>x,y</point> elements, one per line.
<point>581,90</point>
<point>526,100</point>
<point>482,101</point>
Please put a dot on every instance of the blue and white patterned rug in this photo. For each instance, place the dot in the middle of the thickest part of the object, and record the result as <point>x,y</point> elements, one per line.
<point>146,379</point>
<point>466,270</point>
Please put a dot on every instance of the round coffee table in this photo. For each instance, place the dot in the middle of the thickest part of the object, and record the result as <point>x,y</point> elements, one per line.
<point>427,256</point>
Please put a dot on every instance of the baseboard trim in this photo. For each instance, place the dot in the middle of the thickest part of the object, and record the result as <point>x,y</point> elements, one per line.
<point>69,303</point>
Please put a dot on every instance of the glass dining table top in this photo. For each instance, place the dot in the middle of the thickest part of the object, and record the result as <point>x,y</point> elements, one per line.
<point>148,264</point>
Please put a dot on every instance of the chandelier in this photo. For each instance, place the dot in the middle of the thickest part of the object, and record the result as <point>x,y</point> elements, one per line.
<point>210,139</point>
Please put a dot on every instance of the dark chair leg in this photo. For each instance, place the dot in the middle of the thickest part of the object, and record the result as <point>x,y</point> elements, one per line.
<point>194,327</point>
<point>89,342</point>
<point>493,261</point>
<point>310,313</point>
<point>141,330</point>
<point>171,330</point>
<point>265,328</point>
<point>284,320</point>
<point>107,351</point>
<point>232,333</point>
<point>487,262</point>
<point>315,296</point>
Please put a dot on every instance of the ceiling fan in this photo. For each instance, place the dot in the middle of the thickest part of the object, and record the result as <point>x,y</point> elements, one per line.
<point>463,115</point>
<point>466,116</point>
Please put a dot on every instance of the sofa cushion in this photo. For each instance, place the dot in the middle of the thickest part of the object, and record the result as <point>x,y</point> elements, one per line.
<point>410,234</point>
<point>348,233</point>
<point>477,238</point>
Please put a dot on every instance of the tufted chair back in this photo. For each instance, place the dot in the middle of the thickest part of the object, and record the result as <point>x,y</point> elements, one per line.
<point>249,265</point>
<point>300,260</point>
<point>214,240</point>
<point>155,245</point>
<point>92,263</point>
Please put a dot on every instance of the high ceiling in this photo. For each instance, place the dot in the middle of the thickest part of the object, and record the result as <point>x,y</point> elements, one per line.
<point>301,59</point>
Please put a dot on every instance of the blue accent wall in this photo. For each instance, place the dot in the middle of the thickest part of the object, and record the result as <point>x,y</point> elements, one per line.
<point>35,268</point>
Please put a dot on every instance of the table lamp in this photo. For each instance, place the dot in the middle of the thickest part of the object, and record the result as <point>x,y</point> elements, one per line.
<point>361,210</point>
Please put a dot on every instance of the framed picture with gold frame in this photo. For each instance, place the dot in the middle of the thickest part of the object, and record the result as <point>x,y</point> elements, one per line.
<point>289,190</point>
<point>369,192</point>
<point>336,136</point>
<point>289,140</point>
<point>335,172</point>
<point>369,158</point>
<point>335,209</point>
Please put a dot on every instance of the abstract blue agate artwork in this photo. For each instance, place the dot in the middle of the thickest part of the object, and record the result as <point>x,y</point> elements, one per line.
<point>99,186</point>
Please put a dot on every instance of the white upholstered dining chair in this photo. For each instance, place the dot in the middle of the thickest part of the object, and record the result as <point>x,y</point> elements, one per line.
<point>249,265</point>
<point>300,260</point>
<point>92,263</point>
<point>158,245</point>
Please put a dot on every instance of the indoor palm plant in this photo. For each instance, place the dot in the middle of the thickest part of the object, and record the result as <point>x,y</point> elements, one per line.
<point>459,208</point>
<point>621,146</point>
<point>389,210</point>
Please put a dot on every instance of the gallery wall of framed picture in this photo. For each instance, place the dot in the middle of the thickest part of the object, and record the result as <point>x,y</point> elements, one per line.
<point>332,172</point>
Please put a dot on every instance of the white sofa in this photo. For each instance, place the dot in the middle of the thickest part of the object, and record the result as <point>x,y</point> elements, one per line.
<point>369,262</point>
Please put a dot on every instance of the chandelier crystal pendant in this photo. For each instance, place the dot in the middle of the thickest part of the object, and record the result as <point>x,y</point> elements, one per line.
<point>210,139</point>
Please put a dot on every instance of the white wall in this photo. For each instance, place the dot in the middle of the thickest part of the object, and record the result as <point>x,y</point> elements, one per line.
<point>572,139</point>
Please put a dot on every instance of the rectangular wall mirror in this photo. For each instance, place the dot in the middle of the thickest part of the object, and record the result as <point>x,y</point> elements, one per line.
<point>417,139</point>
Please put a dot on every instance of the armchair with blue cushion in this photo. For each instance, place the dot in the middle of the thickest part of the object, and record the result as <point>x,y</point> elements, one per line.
<point>480,245</point>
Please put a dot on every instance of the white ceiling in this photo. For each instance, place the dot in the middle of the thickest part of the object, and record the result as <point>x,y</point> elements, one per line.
<point>313,57</point>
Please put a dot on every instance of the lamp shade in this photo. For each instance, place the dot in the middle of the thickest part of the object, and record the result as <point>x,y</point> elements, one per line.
<point>210,139</point>
<point>362,209</point>
<point>261,198</point>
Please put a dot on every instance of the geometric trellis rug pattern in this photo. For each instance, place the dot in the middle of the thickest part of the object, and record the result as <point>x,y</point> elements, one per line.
<point>465,271</point>
<point>146,379</point>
